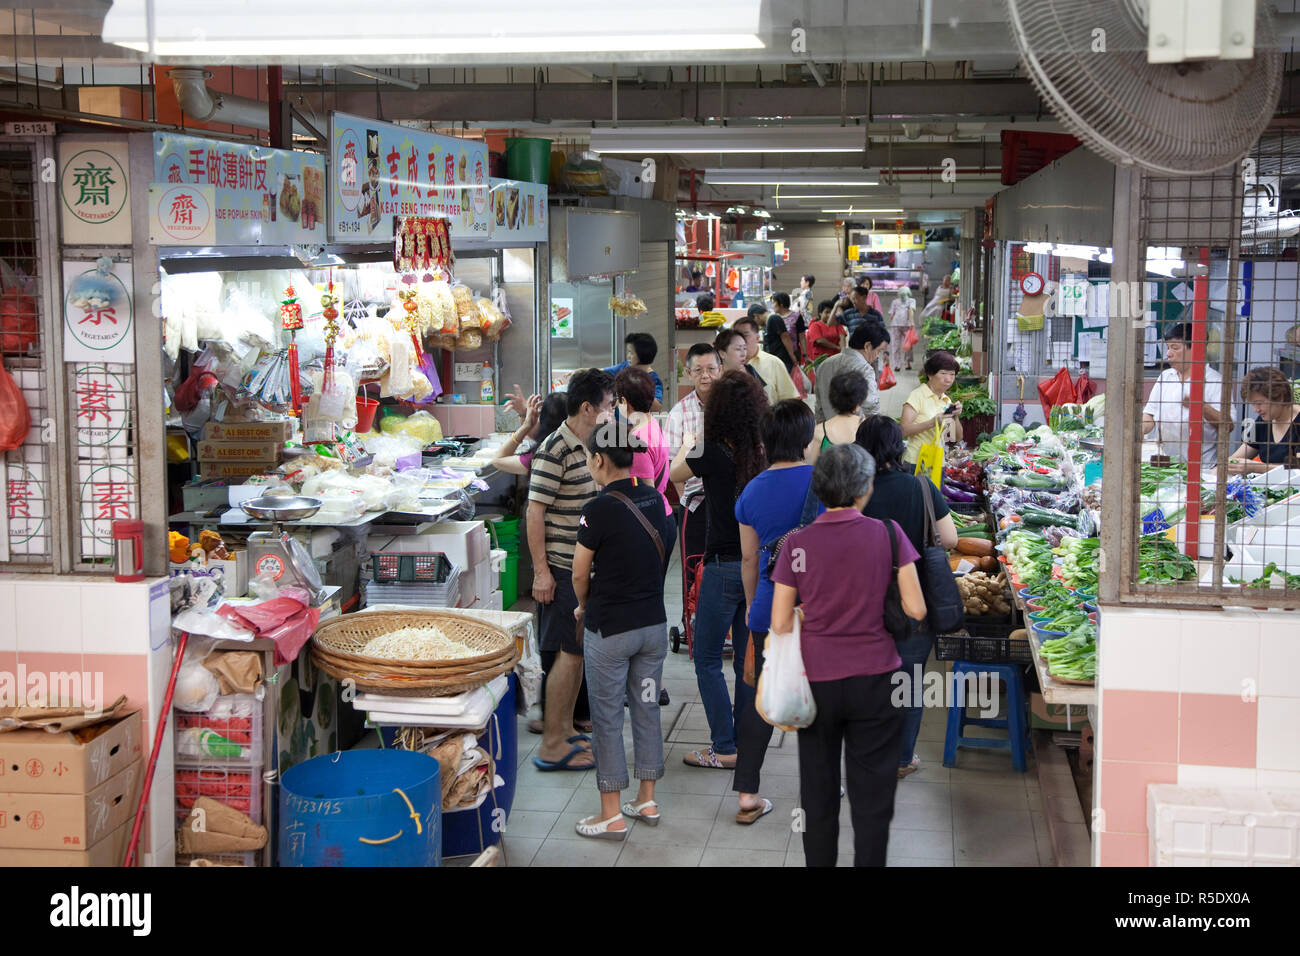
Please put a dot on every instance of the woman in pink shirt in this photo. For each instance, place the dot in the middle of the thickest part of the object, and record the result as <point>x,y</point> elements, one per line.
<point>849,656</point>
<point>634,391</point>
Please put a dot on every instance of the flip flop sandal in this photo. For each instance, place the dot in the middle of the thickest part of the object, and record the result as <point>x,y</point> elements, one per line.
<point>599,829</point>
<point>637,810</point>
<point>707,759</point>
<point>749,817</point>
<point>565,762</point>
<point>536,727</point>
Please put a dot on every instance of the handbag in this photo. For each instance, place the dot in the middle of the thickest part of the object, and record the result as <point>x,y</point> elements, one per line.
<point>944,608</point>
<point>897,623</point>
<point>784,697</point>
<point>929,460</point>
<point>806,517</point>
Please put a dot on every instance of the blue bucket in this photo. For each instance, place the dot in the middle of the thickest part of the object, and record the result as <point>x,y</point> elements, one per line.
<point>362,808</point>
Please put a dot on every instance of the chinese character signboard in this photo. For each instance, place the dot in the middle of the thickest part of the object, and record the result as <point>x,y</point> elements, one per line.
<point>101,408</point>
<point>98,312</point>
<point>106,493</point>
<point>259,195</point>
<point>379,171</point>
<point>897,241</point>
<point>24,508</point>
<point>93,193</point>
<point>181,215</point>
<point>517,211</point>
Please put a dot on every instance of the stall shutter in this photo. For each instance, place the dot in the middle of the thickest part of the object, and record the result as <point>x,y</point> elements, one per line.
<point>652,283</point>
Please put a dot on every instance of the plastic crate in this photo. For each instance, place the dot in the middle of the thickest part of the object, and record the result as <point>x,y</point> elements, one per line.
<point>976,507</point>
<point>446,594</point>
<point>238,718</point>
<point>430,568</point>
<point>239,788</point>
<point>986,640</point>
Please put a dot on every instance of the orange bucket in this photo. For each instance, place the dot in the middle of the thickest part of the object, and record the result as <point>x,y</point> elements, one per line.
<point>366,408</point>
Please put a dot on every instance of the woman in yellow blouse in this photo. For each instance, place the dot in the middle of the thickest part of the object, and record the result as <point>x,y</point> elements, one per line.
<point>928,412</point>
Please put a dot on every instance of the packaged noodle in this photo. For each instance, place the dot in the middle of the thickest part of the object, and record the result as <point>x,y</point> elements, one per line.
<point>492,321</point>
<point>444,307</point>
<point>469,339</point>
<point>465,311</point>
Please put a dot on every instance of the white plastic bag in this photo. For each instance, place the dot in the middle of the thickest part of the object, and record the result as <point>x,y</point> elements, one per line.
<point>784,696</point>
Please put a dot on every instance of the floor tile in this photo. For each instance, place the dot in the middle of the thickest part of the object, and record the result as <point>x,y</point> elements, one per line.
<point>1006,849</point>
<point>540,798</point>
<point>531,823</point>
<point>1043,839</point>
<point>977,798</point>
<point>519,850</point>
<point>922,794</point>
<point>579,852</point>
<point>688,806</point>
<point>635,854</point>
<point>719,856</point>
<point>772,832</point>
<point>680,832</point>
<point>918,817</point>
<point>679,778</point>
<point>912,861</point>
<point>921,844</point>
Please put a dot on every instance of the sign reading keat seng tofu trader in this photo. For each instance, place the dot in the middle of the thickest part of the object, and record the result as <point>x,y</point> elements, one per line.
<point>379,171</point>
<point>261,196</point>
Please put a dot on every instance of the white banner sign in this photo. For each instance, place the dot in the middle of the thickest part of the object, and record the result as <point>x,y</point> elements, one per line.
<point>98,312</point>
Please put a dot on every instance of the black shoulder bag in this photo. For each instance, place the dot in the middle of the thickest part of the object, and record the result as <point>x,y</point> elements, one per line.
<point>944,609</point>
<point>644,521</point>
<point>897,623</point>
<point>806,517</point>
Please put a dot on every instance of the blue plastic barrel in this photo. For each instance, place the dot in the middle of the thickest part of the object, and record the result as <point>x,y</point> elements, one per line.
<point>362,808</point>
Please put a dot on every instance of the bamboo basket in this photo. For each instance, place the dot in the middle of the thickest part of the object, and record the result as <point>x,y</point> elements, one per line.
<point>399,686</point>
<point>343,638</point>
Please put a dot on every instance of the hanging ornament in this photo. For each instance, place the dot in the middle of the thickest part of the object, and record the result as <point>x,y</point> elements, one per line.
<point>422,242</point>
<point>411,320</point>
<point>291,319</point>
<point>328,302</point>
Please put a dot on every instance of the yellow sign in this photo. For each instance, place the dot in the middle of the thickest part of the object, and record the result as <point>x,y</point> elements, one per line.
<point>896,241</point>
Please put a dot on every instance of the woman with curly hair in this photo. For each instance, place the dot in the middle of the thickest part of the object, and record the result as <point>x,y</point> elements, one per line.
<point>730,454</point>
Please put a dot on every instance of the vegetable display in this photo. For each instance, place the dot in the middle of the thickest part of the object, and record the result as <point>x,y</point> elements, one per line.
<point>1080,567</point>
<point>983,594</point>
<point>1160,562</point>
<point>1073,657</point>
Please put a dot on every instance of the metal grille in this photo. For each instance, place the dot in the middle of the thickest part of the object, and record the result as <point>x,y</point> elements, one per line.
<point>101,404</point>
<point>1212,514</point>
<point>29,470</point>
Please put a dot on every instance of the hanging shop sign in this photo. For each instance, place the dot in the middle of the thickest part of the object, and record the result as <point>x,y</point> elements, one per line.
<point>379,171</point>
<point>182,215</point>
<point>260,196</point>
<point>98,312</point>
<point>518,210</point>
<point>93,191</point>
<point>896,241</point>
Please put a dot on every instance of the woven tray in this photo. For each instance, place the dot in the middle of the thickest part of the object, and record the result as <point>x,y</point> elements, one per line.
<point>343,637</point>
<point>411,686</point>
<point>404,669</point>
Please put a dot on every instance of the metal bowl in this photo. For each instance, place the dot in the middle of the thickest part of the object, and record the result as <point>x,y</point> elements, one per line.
<point>1092,444</point>
<point>281,507</point>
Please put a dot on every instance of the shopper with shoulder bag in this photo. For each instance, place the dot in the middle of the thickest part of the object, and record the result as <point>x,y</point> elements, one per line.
<point>900,496</point>
<point>849,656</point>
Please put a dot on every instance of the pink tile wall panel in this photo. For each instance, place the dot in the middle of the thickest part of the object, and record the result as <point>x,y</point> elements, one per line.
<point>1217,730</point>
<point>1139,726</point>
<point>1124,792</point>
<point>123,674</point>
<point>1123,849</point>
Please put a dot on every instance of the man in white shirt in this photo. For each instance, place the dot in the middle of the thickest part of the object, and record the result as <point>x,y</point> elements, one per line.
<point>687,418</point>
<point>768,369</point>
<point>1166,417</point>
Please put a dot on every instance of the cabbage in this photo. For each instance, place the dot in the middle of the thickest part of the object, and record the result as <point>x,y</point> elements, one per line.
<point>1014,431</point>
<point>1041,432</point>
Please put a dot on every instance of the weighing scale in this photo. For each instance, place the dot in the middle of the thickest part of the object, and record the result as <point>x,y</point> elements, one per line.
<point>275,553</point>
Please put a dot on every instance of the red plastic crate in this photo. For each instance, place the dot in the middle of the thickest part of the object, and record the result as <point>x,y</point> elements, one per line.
<point>237,717</point>
<point>239,788</point>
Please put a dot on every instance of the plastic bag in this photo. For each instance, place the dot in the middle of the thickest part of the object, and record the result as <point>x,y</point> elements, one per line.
<point>19,323</point>
<point>197,688</point>
<point>15,420</point>
<point>784,697</point>
<point>421,425</point>
<point>887,379</point>
<point>910,339</point>
<point>1057,390</point>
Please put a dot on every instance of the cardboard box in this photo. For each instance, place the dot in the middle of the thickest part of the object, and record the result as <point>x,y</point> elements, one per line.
<point>224,469</point>
<point>58,763</point>
<point>239,451</point>
<point>277,431</point>
<point>69,821</point>
<point>1045,716</point>
<point>107,852</point>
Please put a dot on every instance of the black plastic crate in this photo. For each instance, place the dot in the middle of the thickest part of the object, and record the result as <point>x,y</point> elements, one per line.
<point>976,507</point>
<point>391,567</point>
<point>984,640</point>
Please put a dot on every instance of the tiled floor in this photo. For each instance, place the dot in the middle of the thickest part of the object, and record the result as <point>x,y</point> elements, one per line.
<point>980,813</point>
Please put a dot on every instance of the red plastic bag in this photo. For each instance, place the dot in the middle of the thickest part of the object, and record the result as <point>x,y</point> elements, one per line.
<point>910,339</point>
<point>15,420</point>
<point>19,329</point>
<point>1057,390</point>
<point>887,379</point>
<point>1084,389</point>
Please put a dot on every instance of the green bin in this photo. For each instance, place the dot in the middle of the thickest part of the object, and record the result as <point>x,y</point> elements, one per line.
<point>528,159</point>
<point>510,580</point>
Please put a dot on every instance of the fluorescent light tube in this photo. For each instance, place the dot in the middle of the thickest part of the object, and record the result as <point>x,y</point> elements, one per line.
<point>729,139</point>
<point>792,177</point>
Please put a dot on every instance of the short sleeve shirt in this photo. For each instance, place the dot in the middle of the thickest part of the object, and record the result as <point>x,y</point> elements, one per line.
<point>627,577</point>
<point>715,465</point>
<point>686,416</point>
<point>926,404</point>
<point>772,340</point>
<point>843,632</point>
<point>653,465</point>
<point>654,377</point>
<point>896,496</point>
<point>771,504</point>
<point>848,361</point>
<point>559,479</point>
<point>820,330</point>
<point>1173,423</point>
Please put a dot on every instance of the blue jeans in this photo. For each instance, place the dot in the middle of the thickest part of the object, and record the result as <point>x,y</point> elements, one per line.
<point>721,609</point>
<point>914,651</point>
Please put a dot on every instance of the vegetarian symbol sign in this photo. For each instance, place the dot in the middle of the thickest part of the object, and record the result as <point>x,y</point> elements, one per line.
<point>97,312</point>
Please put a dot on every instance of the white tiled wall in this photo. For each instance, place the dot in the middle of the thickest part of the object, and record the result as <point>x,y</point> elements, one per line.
<point>1219,652</point>
<point>1279,733</point>
<point>48,615</point>
<point>76,615</point>
<point>8,617</point>
<point>1140,650</point>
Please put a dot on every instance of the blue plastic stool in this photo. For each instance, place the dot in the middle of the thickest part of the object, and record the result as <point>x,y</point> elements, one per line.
<point>1017,740</point>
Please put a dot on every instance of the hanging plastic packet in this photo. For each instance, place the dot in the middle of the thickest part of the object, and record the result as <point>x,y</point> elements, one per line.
<point>332,400</point>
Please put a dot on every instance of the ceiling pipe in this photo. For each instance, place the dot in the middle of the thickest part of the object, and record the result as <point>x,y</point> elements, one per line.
<point>205,105</point>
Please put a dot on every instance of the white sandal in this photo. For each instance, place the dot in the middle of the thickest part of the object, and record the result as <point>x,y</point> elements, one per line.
<point>599,829</point>
<point>636,811</point>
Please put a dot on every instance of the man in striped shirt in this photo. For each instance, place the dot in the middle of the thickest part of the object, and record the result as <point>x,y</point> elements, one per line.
<point>559,485</point>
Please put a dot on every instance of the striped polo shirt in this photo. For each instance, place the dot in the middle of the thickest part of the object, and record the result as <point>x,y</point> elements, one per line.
<point>559,479</point>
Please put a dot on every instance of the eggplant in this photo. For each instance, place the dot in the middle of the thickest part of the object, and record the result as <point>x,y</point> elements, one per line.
<point>956,494</point>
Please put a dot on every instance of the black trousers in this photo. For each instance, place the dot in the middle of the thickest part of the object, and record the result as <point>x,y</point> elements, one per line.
<point>753,733</point>
<point>854,715</point>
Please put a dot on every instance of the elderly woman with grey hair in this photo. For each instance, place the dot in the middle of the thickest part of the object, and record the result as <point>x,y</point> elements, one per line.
<point>848,655</point>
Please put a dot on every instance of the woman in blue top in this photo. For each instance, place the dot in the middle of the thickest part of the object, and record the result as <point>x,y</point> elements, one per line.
<point>771,504</point>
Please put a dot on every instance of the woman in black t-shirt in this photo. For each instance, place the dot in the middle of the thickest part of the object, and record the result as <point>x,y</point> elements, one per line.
<point>728,457</point>
<point>1276,438</point>
<point>624,540</point>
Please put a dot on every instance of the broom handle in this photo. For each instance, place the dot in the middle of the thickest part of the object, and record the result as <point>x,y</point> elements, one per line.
<point>157,747</point>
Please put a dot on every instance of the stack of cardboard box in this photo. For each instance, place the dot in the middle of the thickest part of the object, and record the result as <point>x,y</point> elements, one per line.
<point>69,799</point>
<point>242,449</point>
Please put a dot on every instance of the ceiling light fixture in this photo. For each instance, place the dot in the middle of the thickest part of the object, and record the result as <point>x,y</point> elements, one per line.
<point>728,139</point>
<point>792,177</point>
<point>853,211</point>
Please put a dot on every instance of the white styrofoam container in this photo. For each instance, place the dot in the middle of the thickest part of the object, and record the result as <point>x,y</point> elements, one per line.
<point>1212,826</point>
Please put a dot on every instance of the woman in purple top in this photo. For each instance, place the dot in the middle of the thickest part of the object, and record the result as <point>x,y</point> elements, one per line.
<point>848,656</point>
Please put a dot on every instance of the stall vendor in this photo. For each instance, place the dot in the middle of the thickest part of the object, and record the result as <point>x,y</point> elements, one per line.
<point>1165,419</point>
<point>1276,439</point>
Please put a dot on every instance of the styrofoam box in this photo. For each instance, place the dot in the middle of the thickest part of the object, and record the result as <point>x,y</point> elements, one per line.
<point>493,602</point>
<point>465,543</point>
<point>1212,826</point>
